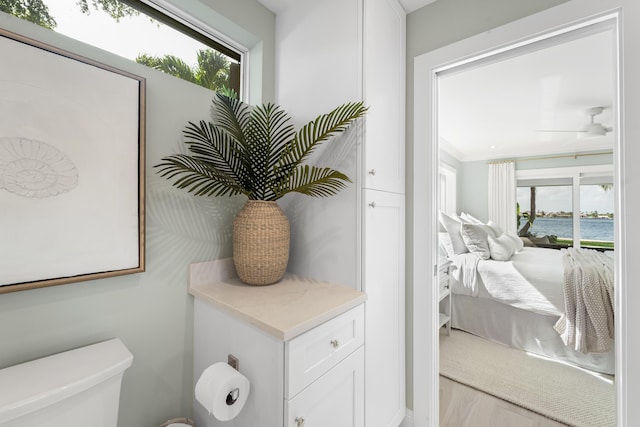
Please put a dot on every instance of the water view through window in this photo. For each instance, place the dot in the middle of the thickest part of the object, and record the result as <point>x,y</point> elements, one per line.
<point>553,218</point>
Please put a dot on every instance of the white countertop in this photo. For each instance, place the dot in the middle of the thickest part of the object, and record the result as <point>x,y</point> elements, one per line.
<point>285,309</point>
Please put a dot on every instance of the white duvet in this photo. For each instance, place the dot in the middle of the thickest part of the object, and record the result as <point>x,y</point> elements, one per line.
<point>532,279</point>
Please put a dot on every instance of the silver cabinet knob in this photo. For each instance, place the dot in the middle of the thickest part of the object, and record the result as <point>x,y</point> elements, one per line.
<point>335,343</point>
<point>372,172</point>
<point>372,204</point>
<point>299,421</point>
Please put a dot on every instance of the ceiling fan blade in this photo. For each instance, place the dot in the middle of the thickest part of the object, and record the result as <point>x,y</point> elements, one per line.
<point>559,130</point>
<point>591,129</point>
<point>597,129</point>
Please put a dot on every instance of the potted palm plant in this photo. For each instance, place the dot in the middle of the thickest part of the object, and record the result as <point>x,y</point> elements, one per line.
<point>256,152</point>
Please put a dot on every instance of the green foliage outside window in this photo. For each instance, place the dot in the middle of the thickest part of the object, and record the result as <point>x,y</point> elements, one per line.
<point>34,11</point>
<point>211,71</point>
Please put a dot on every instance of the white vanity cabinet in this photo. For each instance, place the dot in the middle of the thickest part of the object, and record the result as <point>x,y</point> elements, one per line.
<point>324,374</point>
<point>300,343</point>
<point>333,400</point>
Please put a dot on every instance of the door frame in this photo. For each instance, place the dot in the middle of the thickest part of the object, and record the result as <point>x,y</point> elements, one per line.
<point>556,21</point>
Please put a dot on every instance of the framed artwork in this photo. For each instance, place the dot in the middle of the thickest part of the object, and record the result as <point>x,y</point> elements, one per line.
<point>72,136</point>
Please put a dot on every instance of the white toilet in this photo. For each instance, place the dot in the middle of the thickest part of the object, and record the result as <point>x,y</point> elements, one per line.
<point>77,388</point>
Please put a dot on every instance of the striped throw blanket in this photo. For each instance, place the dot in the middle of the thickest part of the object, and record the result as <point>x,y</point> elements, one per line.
<point>587,325</point>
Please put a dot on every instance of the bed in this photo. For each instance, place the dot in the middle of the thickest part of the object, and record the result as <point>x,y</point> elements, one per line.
<point>516,302</point>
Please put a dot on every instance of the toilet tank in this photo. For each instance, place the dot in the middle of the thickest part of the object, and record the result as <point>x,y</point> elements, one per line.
<point>76,388</point>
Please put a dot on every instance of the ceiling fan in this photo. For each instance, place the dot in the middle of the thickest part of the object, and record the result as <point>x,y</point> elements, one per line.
<point>593,128</point>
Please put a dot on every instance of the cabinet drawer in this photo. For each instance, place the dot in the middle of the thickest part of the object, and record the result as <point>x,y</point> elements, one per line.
<point>313,353</point>
<point>335,399</point>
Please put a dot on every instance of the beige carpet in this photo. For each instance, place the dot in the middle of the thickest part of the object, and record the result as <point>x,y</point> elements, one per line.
<point>561,392</point>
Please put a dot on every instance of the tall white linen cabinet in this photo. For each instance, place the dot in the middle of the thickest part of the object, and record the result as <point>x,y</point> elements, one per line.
<point>330,52</point>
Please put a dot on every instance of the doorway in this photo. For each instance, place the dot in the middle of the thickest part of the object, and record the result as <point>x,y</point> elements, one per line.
<point>426,149</point>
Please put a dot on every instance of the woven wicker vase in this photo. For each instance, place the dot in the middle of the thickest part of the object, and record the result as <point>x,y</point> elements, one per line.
<point>261,243</point>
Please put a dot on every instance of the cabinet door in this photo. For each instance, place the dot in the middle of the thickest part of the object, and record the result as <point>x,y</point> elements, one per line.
<point>384,283</point>
<point>334,399</point>
<point>384,93</point>
<point>217,334</point>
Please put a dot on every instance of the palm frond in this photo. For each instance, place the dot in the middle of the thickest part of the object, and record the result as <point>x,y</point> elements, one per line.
<point>256,151</point>
<point>231,115</point>
<point>198,177</point>
<point>269,134</point>
<point>314,181</point>
<point>272,126</point>
<point>319,130</point>
<point>211,145</point>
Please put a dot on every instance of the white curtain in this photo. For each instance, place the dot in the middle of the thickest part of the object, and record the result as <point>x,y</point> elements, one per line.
<point>502,195</point>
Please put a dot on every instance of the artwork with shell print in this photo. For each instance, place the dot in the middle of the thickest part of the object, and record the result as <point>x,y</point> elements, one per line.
<point>71,167</point>
<point>31,168</point>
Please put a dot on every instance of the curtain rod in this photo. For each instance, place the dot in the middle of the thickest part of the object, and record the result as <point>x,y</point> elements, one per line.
<point>563,156</point>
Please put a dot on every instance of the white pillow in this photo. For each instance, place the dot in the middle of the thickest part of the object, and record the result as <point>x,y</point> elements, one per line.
<point>496,228</point>
<point>475,236</point>
<point>444,241</point>
<point>452,225</point>
<point>502,247</point>
<point>468,218</point>
<point>517,241</point>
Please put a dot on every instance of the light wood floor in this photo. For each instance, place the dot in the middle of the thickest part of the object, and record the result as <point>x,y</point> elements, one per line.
<point>462,406</point>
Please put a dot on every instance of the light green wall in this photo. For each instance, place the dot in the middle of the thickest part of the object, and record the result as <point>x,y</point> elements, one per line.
<point>151,312</point>
<point>433,26</point>
<point>473,195</point>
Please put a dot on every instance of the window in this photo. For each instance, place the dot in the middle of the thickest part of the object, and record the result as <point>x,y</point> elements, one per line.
<point>547,212</point>
<point>567,206</point>
<point>142,32</point>
<point>596,216</point>
<point>447,188</point>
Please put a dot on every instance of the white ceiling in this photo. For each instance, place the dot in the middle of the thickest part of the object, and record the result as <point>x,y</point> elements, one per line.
<point>277,6</point>
<point>495,110</point>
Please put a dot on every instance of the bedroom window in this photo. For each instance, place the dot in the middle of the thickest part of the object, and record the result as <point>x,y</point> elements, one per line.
<point>143,31</point>
<point>546,213</point>
<point>447,188</point>
<point>561,211</point>
<point>596,216</point>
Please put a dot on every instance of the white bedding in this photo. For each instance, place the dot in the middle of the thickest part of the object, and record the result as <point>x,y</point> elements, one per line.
<point>531,280</point>
<point>587,324</point>
<point>517,303</point>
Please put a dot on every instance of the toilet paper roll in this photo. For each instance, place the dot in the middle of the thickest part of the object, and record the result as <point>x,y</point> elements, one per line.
<point>222,390</point>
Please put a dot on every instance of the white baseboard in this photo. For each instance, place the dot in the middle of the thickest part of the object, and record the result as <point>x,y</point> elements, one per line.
<point>408,419</point>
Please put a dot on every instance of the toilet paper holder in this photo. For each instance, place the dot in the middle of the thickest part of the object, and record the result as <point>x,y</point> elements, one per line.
<point>222,390</point>
<point>235,393</point>
<point>233,362</point>
<point>233,396</point>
